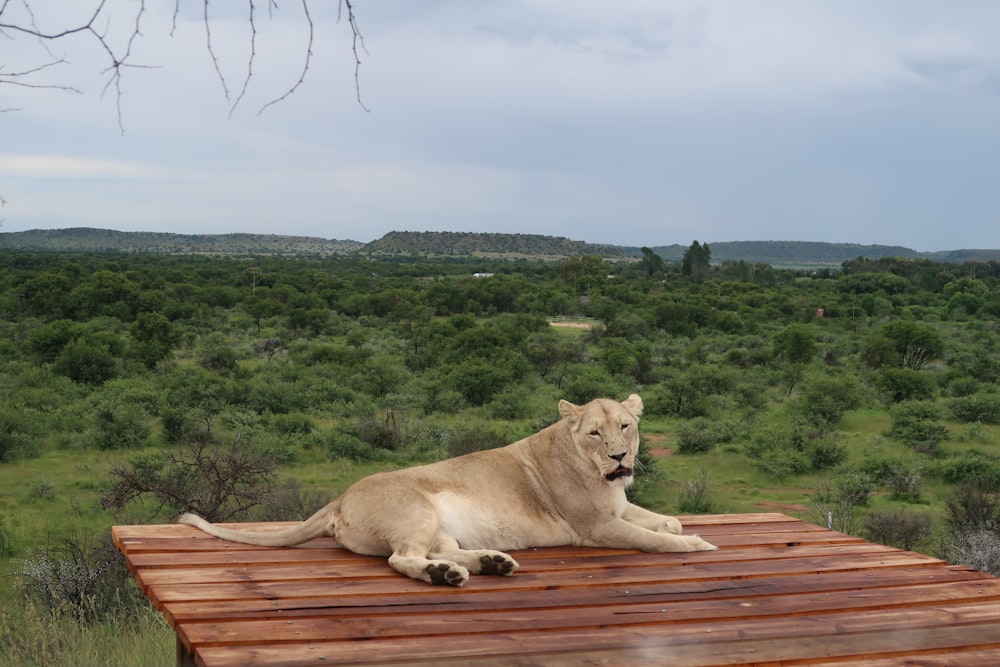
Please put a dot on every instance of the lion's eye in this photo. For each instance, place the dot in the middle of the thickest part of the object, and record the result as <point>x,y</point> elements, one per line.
<point>595,433</point>
<point>624,427</point>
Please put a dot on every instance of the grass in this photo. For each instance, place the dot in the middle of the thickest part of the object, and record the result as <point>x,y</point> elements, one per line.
<point>59,492</point>
<point>39,638</point>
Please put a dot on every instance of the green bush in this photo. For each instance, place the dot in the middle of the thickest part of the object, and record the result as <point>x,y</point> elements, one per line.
<point>293,424</point>
<point>981,407</point>
<point>693,497</point>
<point>972,466</point>
<point>475,439</point>
<point>586,383</point>
<point>824,400</point>
<point>16,437</point>
<point>696,436</point>
<point>900,528</point>
<point>120,426</point>
<point>511,404</point>
<point>917,424</point>
<point>903,384</point>
<point>825,453</point>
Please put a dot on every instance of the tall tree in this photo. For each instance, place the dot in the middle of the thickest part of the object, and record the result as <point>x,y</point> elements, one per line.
<point>696,260</point>
<point>652,263</point>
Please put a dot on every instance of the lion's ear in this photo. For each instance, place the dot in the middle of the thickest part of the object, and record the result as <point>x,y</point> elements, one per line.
<point>634,405</point>
<point>566,408</point>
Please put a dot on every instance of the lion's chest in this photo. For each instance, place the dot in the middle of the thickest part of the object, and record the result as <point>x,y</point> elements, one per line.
<point>479,523</point>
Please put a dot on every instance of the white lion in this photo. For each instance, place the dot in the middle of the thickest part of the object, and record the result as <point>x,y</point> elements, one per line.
<point>564,485</point>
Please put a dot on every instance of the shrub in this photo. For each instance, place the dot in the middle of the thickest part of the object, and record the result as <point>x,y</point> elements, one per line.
<point>177,422</point>
<point>824,400</point>
<point>972,507</point>
<point>479,381</point>
<point>120,426</point>
<point>693,498</point>
<point>81,576</point>
<point>586,383</point>
<point>342,445</point>
<point>855,488</point>
<point>980,407</point>
<point>917,424</point>
<point>825,453</point>
<point>972,466</point>
<point>220,484</point>
<point>293,424</point>
<point>511,404</point>
<point>475,439</point>
<point>697,436</point>
<point>899,528</point>
<point>16,439</point>
<point>977,548</point>
<point>782,462</point>
<point>903,384</point>
<point>778,450</point>
<point>881,468</point>
<point>905,485</point>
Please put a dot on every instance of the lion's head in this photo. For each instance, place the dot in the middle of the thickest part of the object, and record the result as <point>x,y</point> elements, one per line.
<point>607,433</point>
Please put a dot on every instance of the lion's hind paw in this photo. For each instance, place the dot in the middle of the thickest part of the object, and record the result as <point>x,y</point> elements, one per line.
<point>442,572</point>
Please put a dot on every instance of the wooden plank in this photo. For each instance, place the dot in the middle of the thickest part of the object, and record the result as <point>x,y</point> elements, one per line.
<point>780,591</point>
<point>331,604</point>
<point>225,567</point>
<point>943,597</point>
<point>563,557</point>
<point>771,641</point>
<point>303,584</point>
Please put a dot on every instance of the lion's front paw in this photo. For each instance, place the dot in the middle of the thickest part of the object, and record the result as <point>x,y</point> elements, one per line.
<point>670,525</point>
<point>695,543</point>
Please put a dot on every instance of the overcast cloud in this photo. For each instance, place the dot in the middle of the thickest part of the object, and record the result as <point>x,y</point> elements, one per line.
<point>631,123</point>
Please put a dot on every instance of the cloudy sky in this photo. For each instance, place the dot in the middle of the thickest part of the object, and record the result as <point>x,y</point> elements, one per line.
<point>632,123</point>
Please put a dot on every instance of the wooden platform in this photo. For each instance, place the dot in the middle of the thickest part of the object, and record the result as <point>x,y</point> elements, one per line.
<point>778,592</point>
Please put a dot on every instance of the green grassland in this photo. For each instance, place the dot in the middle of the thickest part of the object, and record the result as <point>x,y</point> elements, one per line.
<point>329,369</point>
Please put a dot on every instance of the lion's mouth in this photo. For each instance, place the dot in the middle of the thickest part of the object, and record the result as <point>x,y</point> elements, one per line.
<point>618,473</point>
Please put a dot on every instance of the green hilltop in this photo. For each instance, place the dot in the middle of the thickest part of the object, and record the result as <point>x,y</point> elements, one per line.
<point>428,245</point>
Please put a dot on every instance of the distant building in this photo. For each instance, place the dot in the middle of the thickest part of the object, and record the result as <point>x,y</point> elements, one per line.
<point>482,275</point>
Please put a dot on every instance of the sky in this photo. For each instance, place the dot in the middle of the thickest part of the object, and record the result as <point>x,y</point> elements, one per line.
<point>636,123</point>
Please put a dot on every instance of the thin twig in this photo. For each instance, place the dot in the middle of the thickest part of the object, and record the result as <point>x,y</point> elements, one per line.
<point>305,66</point>
<point>211,52</point>
<point>356,40</point>
<point>253,55</point>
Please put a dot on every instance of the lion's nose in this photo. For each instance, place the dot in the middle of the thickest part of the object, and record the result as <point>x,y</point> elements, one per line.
<point>617,457</point>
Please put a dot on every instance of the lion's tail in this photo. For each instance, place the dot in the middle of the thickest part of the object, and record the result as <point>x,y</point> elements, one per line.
<point>317,525</point>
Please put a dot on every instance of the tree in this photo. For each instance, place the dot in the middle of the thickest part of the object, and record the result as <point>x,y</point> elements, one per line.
<point>220,484</point>
<point>915,345</point>
<point>154,338</point>
<point>652,263</point>
<point>796,344</point>
<point>114,30</point>
<point>696,260</point>
<point>583,273</point>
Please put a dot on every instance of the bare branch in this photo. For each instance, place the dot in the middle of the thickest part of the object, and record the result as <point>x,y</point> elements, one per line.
<point>305,66</point>
<point>211,52</point>
<point>253,54</point>
<point>119,58</point>
<point>357,39</point>
<point>15,78</point>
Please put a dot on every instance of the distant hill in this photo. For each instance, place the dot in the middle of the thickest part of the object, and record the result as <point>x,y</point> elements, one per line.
<point>458,244</point>
<point>814,253</point>
<point>85,239</point>
<point>461,244</point>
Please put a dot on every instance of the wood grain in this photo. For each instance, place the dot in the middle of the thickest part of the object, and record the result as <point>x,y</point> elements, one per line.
<point>778,592</point>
